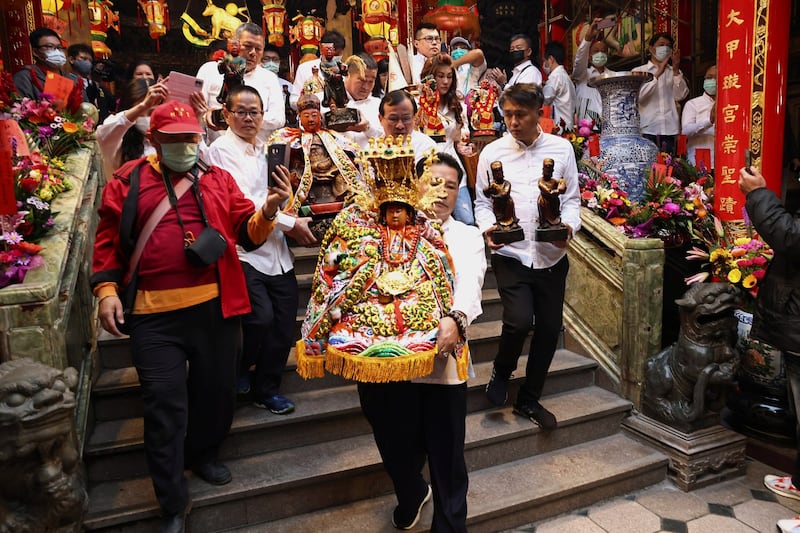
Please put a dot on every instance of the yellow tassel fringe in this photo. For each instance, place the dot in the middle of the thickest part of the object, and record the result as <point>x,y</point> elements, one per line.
<point>378,369</point>
<point>308,366</point>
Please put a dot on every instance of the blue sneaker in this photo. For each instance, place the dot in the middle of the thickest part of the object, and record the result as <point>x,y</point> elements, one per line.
<point>278,404</point>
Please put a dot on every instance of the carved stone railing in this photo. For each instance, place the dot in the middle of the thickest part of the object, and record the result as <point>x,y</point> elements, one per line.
<point>613,304</point>
<point>50,316</point>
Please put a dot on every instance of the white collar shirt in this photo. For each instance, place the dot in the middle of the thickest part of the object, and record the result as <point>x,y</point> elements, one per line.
<point>559,92</point>
<point>522,168</point>
<point>465,245</point>
<point>696,125</point>
<point>525,72</point>
<point>587,99</point>
<point>417,62</point>
<point>303,74</point>
<point>368,108</point>
<point>658,113</point>
<point>248,166</point>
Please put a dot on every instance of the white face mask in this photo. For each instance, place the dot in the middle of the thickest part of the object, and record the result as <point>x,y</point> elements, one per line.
<point>546,68</point>
<point>55,58</point>
<point>663,52</point>
<point>599,59</point>
<point>271,66</point>
<point>142,124</point>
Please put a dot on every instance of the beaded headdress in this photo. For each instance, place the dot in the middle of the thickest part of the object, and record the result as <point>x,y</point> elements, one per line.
<point>389,170</point>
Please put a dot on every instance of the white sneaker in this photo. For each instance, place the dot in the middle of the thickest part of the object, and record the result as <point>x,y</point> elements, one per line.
<point>789,525</point>
<point>782,486</point>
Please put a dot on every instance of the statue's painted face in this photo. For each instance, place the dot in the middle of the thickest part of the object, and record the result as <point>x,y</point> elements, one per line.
<point>310,120</point>
<point>396,216</point>
<point>327,50</point>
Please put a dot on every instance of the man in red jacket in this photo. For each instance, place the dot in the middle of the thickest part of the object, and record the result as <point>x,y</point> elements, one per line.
<point>186,292</point>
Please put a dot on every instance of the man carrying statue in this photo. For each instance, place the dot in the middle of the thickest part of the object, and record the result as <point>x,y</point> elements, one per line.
<point>531,274</point>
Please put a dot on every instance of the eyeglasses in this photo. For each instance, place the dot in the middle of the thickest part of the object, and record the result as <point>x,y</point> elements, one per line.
<point>49,47</point>
<point>244,114</point>
<point>430,39</point>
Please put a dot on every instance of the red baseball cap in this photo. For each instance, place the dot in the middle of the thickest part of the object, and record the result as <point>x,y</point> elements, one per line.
<point>174,117</point>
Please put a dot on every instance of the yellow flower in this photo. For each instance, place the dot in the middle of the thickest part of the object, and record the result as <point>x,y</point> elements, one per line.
<point>735,275</point>
<point>69,127</point>
<point>749,282</point>
<point>741,241</point>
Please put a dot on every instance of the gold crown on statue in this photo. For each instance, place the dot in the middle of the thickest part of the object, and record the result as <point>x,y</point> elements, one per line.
<point>307,101</point>
<point>393,177</point>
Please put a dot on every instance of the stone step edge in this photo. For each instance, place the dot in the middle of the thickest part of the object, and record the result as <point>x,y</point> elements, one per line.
<point>358,452</point>
<point>128,431</point>
<point>112,380</point>
<point>374,514</point>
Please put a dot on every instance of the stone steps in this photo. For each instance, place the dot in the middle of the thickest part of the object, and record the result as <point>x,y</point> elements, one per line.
<point>304,478</point>
<point>509,494</point>
<point>115,448</point>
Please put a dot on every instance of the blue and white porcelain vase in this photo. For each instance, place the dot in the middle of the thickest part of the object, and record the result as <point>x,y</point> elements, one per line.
<point>628,156</point>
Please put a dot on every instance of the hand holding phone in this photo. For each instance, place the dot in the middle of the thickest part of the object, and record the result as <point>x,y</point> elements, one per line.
<point>277,154</point>
<point>748,160</point>
<point>606,23</point>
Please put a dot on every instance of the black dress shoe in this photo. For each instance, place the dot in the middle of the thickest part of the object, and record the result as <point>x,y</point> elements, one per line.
<point>213,472</point>
<point>537,413</point>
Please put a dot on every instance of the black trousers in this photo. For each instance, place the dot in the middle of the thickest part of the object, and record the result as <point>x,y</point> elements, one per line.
<point>415,421</point>
<point>269,328</point>
<point>187,411</point>
<point>527,293</point>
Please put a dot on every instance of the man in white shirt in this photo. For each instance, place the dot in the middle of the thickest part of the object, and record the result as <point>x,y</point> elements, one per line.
<point>559,91</point>
<point>268,331</point>
<point>520,49</point>
<point>470,64</point>
<point>397,111</point>
<point>590,62</point>
<point>698,118</point>
<point>304,70</point>
<point>427,43</point>
<point>362,70</point>
<point>425,418</point>
<point>251,47</point>
<point>531,276</point>
<point>658,112</point>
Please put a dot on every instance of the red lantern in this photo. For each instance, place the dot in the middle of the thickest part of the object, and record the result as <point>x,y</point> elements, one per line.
<point>454,20</point>
<point>156,13</point>
<point>274,20</point>
<point>101,19</point>
<point>307,31</point>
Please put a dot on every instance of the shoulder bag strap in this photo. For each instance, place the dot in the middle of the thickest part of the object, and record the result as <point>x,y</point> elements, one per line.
<point>155,217</point>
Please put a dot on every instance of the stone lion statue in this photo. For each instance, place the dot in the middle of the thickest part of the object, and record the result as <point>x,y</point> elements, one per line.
<point>685,382</point>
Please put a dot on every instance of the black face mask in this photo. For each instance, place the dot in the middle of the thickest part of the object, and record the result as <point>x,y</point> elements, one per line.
<point>517,56</point>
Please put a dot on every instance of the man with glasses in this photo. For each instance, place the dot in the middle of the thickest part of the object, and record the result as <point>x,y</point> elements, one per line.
<point>427,43</point>
<point>396,113</point>
<point>269,271</point>
<point>251,48</point>
<point>48,58</point>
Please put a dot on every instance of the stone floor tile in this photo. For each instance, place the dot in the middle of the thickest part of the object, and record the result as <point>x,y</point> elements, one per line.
<point>726,493</point>
<point>571,523</point>
<point>754,478</point>
<point>671,502</point>
<point>623,516</point>
<point>760,515</point>
<point>716,523</point>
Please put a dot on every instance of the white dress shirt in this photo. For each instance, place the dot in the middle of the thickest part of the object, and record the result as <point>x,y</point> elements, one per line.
<point>522,168</point>
<point>302,75</point>
<point>417,62</point>
<point>421,144</point>
<point>697,126</point>
<point>559,92</point>
<point>368,107</point>
<point>248,166</point>
<point>525,72</point>
<point>586,98</point>
<point>469,77</point>
<point>109,136</point>
<point>465,245</point>
<point>657,110</point>
<point>262,80</point>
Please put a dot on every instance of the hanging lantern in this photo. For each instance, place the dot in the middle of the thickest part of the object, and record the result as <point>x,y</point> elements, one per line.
<point>50,19</point>
<point>101,19</point>
<point>454,20</point>
<point>274,21</point>
<point>379,19</point>
<point>156,14</point>
<point>307,31</point>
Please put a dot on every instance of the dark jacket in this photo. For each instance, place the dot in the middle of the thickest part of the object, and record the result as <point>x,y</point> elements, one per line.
<point>776,319</point>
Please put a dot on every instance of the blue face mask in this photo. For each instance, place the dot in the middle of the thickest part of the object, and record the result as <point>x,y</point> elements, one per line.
<point>458,53</point>
<point>710,86</point>
<point>179,157</point>
<point>271,66</point>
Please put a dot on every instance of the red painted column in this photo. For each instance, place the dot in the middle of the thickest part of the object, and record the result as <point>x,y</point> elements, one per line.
<point>752,58</point>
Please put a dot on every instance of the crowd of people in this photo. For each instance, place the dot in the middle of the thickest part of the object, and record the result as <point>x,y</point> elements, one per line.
<point>193,175</point>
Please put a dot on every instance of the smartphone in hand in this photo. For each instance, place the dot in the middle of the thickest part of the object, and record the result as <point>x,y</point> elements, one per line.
<point>606,23</point>
<point>748,160</point>
<point>277,154</point>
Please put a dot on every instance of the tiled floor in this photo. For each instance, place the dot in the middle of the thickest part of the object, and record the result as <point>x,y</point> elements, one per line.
<point>739,505</point>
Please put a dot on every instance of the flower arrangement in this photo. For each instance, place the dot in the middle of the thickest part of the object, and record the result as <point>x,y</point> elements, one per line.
<point>52,133</point>
<point>16,255</point>
<point>739,260</point>
<point>580,137</point>
<point>601,193</point>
